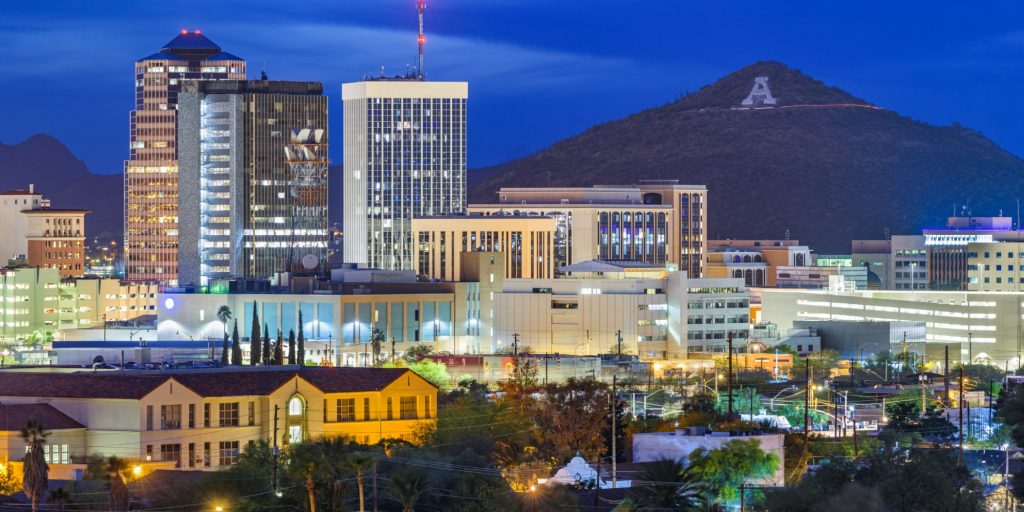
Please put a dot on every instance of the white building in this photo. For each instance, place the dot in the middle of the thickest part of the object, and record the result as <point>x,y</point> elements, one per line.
<point>980,326</point>
<point>678,445</point>
<point>405,157</point>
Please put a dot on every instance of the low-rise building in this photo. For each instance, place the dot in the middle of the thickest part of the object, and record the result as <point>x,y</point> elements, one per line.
<point>757,261</point>
<point>526,242</point>
<point>46,237</point>
<point>203,419</point>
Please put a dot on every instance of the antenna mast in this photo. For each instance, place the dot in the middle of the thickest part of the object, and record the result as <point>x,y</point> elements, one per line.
<point>420,5</point>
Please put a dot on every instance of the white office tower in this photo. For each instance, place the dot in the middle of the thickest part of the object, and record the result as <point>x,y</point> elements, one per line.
<point>405,157</point>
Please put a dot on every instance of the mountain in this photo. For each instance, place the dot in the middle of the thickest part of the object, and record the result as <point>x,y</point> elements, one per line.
<point>820,163</point>
<point>56,173</point>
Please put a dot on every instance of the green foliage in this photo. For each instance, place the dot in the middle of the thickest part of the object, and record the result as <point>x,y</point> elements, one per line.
<point>979,377</point>
<point>236,346</point>
<point>291,346</point>
<point>744,400</point>
<point>255,347</point>
<point>417,352</point>
<point>904,412</point>
<point>35,471</point>
<point>725,469</point>
<point>434,372</point>
<point>9,482</point>
<point>300,355</point>
<point>666,485</point>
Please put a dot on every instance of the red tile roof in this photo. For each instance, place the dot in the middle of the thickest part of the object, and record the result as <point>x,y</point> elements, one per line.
<point>134,385</point>
<point>15,416</point>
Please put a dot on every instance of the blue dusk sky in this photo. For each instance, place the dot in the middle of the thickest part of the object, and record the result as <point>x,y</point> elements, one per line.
<point>539,70</point>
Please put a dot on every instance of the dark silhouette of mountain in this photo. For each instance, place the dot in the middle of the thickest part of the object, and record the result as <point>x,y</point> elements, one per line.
<point>821,163</point>
<point>56,173</point>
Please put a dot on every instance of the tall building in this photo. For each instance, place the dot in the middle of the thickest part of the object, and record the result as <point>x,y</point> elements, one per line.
<point>405,157</point>
<point>151,171</point>
<point>252,183</point>
<point>658,221</point>
<point>34,233</point>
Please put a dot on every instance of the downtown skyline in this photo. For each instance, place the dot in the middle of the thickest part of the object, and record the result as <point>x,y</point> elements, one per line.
<point>590,62</point>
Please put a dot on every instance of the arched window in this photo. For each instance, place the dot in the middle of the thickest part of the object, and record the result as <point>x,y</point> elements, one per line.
<point>757,258</point>
<point>295,406</point>
<point>799,260</point>
<point>736,259</point>
<point>749,277</point>
<point>759,278</point>
<point>737,273</point>
<point>746,259</point>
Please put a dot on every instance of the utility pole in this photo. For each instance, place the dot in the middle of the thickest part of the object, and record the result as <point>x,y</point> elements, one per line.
<point>856,452</point>
<point>728,380</point>
<point>903,365</point>
<point>743,496</point>
<point>921,378</point>
<point>751,389</point>
<point>392,349</point>
<point>276,451</point>
<point>970,347</point>
<point>960,427</point>
<point>375,484</point>
<point>807,401</point>
<point>614,454</point>
<point>515,344</point>
<point>991,398</point>
<point>618,338</point>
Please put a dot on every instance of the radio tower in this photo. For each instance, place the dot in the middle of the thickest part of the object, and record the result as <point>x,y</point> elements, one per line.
<point>420,5</point>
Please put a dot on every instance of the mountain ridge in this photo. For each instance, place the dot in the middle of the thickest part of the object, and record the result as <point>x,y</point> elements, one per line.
<point>820,163</point>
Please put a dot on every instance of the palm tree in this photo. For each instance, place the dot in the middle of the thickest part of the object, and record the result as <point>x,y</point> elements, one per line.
<point>224,314</point>
<point>666,485</point>
<point>118,491</point>
<point>407,487</point>
<point>35,472</point>
<point>59,497</point>
<point>376,341</point>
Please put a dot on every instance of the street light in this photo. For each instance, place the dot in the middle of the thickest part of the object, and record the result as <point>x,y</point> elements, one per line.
<point>771,403</point>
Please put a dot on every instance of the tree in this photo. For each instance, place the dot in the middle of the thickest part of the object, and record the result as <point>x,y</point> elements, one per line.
<point>571,419</point>
<point>666,485</point>
<point>236,346</point>
<point>224,314</point>
<point>255,352</point>
<point>417,352</point>
<point>267,355</point>
<point>9,483</point>
<point>376,343</point>
<point>408,486</point>
<point>291,346</point>
<point>58,498</point>
<point>225,350</point>
<point>279,349</point>
<point>117,493</point>
<point>301,355</point>
<point>725,469</point>
<point>433,372</point>
<point>35,472</point>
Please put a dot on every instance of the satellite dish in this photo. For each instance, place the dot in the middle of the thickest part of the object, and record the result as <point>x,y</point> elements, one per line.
<point>309,261</point>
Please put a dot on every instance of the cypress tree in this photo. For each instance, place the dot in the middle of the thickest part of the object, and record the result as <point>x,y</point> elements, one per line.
<point>279,349</point>
<point>266,345</point>
<point>301,356</point>
<point>255,354</point>
<point>236,346</point>
<point>224,349</point>
<point>291,346</point>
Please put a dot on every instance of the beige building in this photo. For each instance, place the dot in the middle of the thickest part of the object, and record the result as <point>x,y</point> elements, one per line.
<point>203,419</point>
<point>756,261</point>
<point>657,222</point>
<point>151,171</point>
<point>524,241</point>
<point>32,231</point>
<point>995,266</point>
<point>37,300</point>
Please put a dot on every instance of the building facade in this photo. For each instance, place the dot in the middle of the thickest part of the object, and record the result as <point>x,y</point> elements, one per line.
<point>995,266</point>
<point>977,326</point>
<point>34,233</point>
<point>204,419</point>
<point>525,242</point>
<point>405,157</point>
<point>756,261</point>
<point>252,180</point>
<point>151,171</point>
<point>40,302</point>
<point>659,221</point>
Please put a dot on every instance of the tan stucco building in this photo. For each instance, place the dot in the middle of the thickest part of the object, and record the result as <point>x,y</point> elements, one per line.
<point>526,243</point>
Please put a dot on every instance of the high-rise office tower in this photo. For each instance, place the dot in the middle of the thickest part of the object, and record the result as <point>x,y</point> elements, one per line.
<point>405,157</point>
<point>151,171</point>
<point>252,184</point>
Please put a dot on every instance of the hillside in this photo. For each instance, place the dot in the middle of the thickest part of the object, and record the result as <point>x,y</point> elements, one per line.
<point>48,164</point>
<point>820,162</point>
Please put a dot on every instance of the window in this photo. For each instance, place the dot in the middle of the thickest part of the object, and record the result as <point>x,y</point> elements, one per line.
<point>191,455</point>
<point>170,452</point>
<point>228,450</point>
<point>294,433</point>
<point>407,408</point>
<point>170,418</point>
<point>366,409</point>
<point>149,417</point>
<point>206,454</point>
<point>346,409</point>
<point>295,406</point>
<point>229,415</point>
<point>252,413</point>
<point>191,415</point>
<point>206,415</point>
<point>390,414</point>
<point>426,407</point>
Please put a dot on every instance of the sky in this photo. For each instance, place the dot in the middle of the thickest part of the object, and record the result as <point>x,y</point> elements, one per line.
<point>539,70</point>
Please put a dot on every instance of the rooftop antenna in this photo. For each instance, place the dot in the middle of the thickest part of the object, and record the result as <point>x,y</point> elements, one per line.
<point>420,5</point>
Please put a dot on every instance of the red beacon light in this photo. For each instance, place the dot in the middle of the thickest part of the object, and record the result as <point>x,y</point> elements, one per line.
<point>197,32</point>
<point>183,31</point>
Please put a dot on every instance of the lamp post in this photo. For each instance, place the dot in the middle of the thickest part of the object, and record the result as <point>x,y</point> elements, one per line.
<point>771,403</point>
